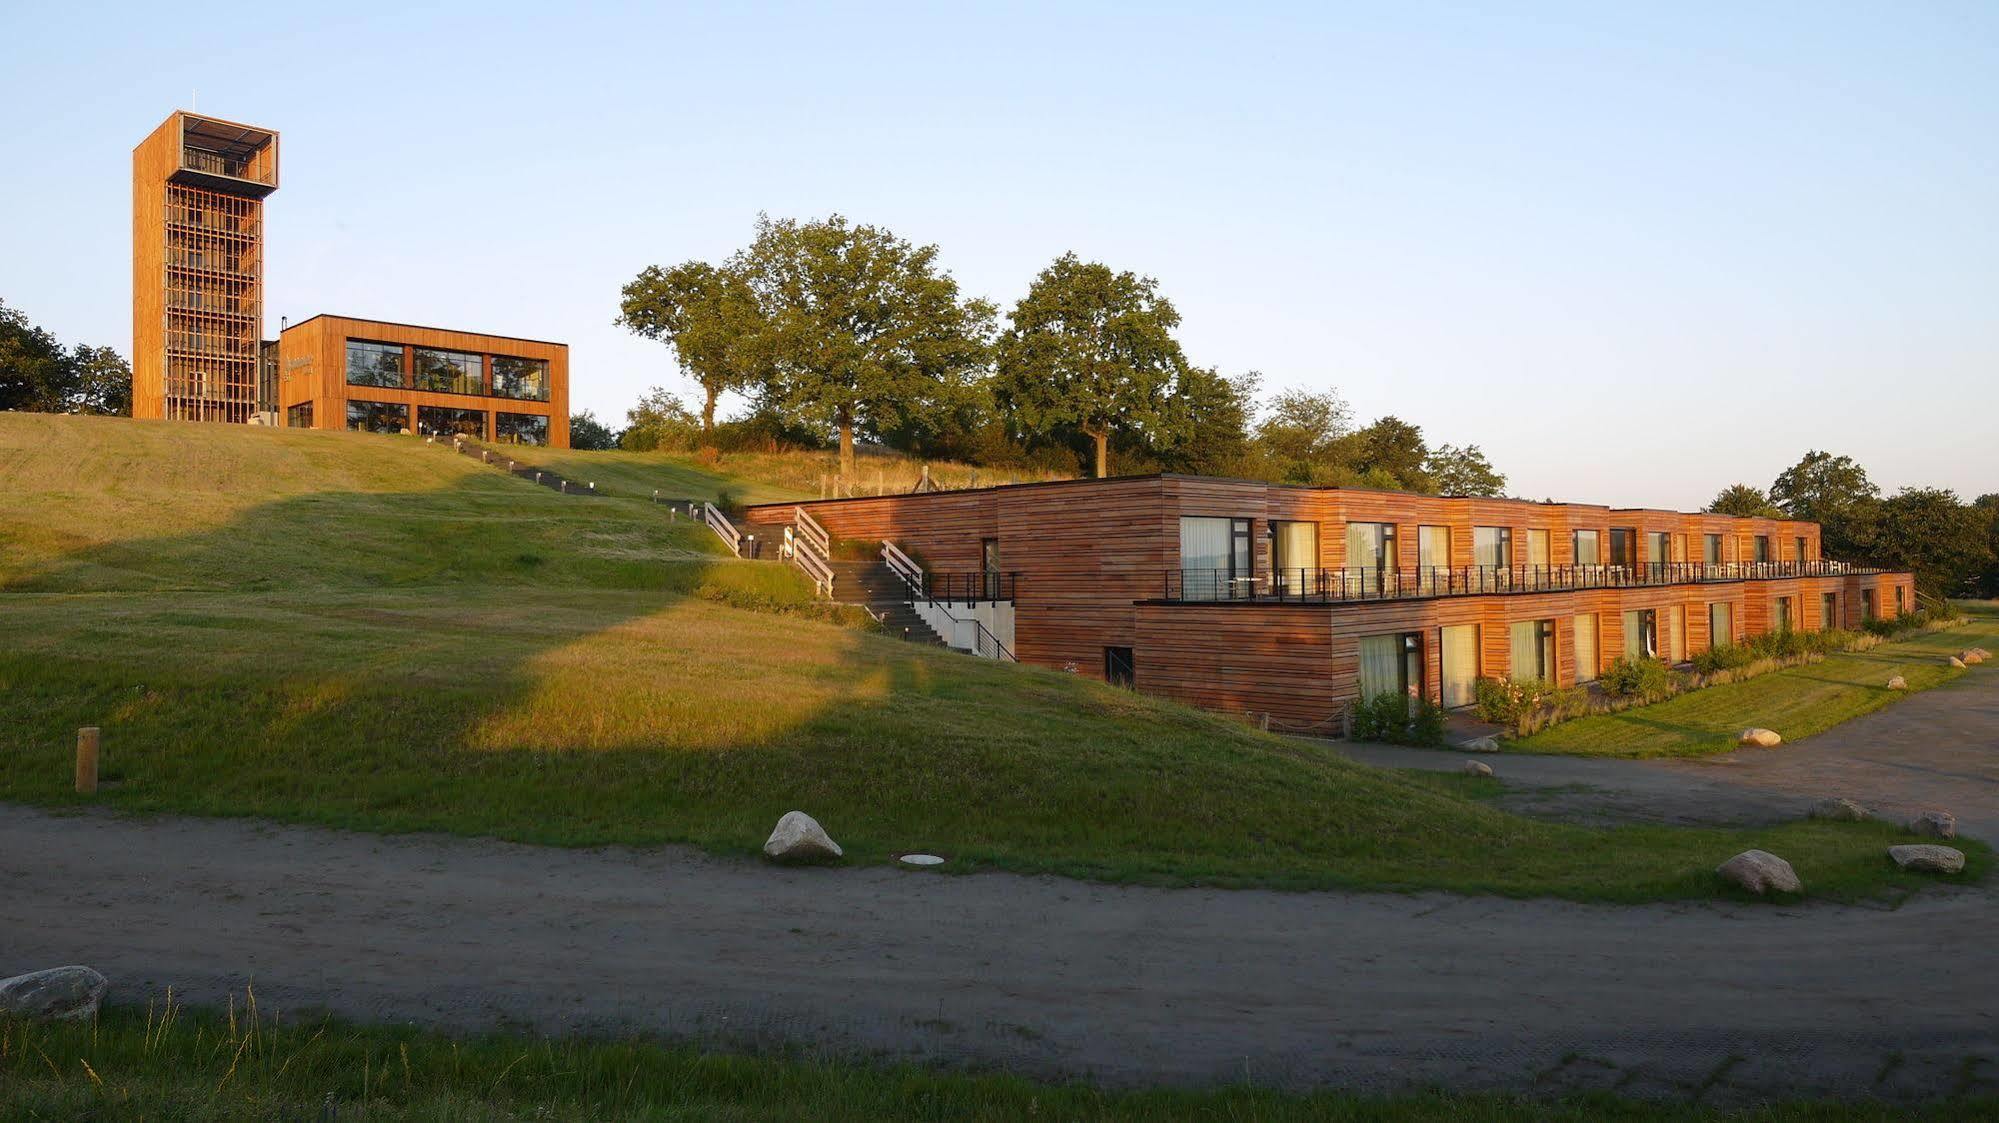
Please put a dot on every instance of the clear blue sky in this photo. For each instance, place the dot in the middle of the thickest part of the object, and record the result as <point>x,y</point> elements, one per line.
<point>1634,254</point>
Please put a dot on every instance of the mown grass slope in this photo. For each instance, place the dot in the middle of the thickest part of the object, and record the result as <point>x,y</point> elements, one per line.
<point>1796,702</point>
<point>375,633</point>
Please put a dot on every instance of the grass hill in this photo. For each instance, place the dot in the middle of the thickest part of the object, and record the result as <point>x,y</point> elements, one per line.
<point>373,632</point>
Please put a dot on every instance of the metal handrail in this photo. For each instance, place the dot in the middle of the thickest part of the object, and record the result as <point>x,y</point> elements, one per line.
<point>1368,583</point>
<point>723,528</point>
<point>911,574</point>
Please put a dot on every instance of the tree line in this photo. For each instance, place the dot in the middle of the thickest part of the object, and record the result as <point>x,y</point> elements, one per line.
<point>839,332</point>
<point>1951,546</point>
<point>40,375</point>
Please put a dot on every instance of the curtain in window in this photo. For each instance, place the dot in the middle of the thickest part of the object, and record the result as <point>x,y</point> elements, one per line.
<point>1295,548</point>
<point>1524,638</point>
<point>1677,625</point>
<point>1380,665</point>
<point>1586,665</point>
<point>1634,641</point>
<point>1490,546</point>
<point>1720,624</point>
<point>1204,557</point>
<point>1460,663</point>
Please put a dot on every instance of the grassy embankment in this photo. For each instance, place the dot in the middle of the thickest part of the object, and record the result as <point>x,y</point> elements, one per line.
<point>372,633</point>
<point>1797,702</point>
<point>756,477</point>
<point>136,1063</point>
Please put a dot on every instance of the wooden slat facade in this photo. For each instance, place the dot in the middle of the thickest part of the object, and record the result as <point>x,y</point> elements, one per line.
<point>1091,558</point>
<point>312,369</point>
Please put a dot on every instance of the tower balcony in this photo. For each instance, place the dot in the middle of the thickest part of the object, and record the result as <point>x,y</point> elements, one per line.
<point>224,156</point>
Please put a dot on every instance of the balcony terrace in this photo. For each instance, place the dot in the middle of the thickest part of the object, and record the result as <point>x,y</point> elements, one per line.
<point>1339,586</point>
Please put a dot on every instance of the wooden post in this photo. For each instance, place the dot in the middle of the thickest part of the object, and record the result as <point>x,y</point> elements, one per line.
<point>86,760</point>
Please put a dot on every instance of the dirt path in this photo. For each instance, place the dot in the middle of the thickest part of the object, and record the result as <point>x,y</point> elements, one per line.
<point>1042,975</point>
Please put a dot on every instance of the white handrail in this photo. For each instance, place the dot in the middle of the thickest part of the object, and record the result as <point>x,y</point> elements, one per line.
<point>799,549</point>
<point>812,532</point>
<point>905,567</point>
<point>723,528</point>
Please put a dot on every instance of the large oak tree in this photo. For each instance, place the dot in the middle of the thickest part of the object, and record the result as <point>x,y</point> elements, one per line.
<point>859,330</point>
<point>709,317</point>
<point>1093,350</point>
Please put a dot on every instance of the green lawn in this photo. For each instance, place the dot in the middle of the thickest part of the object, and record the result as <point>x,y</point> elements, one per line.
<point>373,633</point>
<point>145,1063</point>
<point>1796,702</point>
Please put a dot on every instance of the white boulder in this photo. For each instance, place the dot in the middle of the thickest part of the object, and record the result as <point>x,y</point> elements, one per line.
<point>58,994</point>
<point>1760,871</point>
<point>1926,858</point>
<point>1481,745</point>
<point>1760,737</point>
<point>1476,768</point>
<point>798,837</point>
<point>1898,683</point>
<point>1956,662</point>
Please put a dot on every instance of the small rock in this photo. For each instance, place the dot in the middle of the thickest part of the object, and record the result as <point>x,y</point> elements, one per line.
<point>1972,656</point>
<point>1984,656</point>
<point>1761,738</point>
<point>1925,858</point>
<point>800,838</point>
<point>1481,745</point>
<point>1476,768</point>
<point>1956,662</point>
<point>1934,824</point>
<point>1839,810</point>
<point>59,994</point>
<point>1760,871</point>
<point>1898,683</point>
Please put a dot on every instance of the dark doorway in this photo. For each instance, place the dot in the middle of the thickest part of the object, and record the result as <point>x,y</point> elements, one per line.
<point>1118,666</point>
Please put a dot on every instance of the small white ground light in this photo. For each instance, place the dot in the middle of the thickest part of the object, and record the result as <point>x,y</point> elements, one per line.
<point>921,860</point>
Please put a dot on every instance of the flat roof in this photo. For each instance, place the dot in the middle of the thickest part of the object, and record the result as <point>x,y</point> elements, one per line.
<point>418,327</point>
<point>1264,483</point>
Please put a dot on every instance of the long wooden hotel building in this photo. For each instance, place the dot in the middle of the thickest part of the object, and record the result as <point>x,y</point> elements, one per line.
<point>1294,601</point>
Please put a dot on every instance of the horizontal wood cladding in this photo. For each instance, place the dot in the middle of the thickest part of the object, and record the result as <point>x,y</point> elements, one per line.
<point>1086,550</point>
<point>312,367</point>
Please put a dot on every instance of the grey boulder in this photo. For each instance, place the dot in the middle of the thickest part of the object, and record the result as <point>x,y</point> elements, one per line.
<point>1760,871</point>
<point>1839,810</point>
<point>799,838</point>
<point>1934,824</point>
<point>1761,738</point>
<point>58,994</point>
<point>1925,858</point>
<point>1481,745</point>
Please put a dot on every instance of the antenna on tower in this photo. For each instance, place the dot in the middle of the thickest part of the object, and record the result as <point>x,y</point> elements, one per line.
<point>190,97</point>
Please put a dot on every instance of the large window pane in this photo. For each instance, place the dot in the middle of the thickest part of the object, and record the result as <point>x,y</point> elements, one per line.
<point>526,379</point>
<point>1678,628</point>
<point>520,429</point>
<point>1492,546</point>
<point>1587,667</point>
<point>1720,624</point>
<point>1458,660</point>
<point>1532,644</point>
<point>1657,546</point>
<point>437,421</point>
<point>1641,634</point>
<point>1586,548</point>
<point>374,364</point>
<point>1294,555</point>
<point>1380,665</point>
<point>1711,549</point>
<point>1204,557</point>
<point>377,417</point>
<point>449,372</point>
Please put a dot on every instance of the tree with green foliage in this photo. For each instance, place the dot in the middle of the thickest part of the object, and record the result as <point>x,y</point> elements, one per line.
<point>709,316</point>
<point>1299,436</point>
<point>38,375</point>
<point>1744,501</point>
<point>1093,349</point>
<point>1832,491</point>
<point>1928,531</point>
<point>1213,419</point>
<point>1988,506</point>
<point>589,434</point>
<point>1389,453</point>
<point>1463,471</point>
<point>659,420</point>
<point>858,329</point>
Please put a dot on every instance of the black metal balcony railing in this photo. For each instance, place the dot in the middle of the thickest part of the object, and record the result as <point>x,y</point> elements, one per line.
<point>969,586</point>
<point>1314,586</point>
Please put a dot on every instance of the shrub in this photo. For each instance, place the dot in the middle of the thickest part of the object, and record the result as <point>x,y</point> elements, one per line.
<point>1398,719</point>
<point>1504,701</point>
<point>1649,679</point>
<point>1726,657</point>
